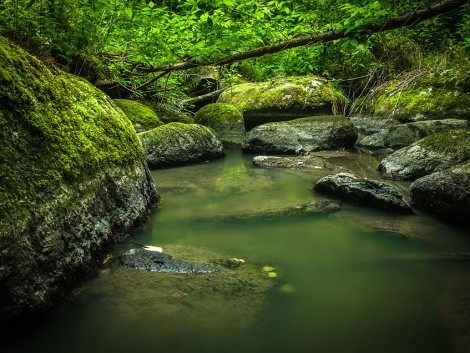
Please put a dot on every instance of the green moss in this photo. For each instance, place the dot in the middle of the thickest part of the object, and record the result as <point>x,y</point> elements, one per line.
<point>451,142</point>
<point>434,95</point>
<point>139,113</point>
<point>337,119</point>
<point>216,113</point>
<point>286,93</point>
<point>168,131</point>
<point>55,128</point>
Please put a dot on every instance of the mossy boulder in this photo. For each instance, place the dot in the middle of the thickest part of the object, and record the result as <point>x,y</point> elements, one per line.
<point>284,99</point>
<point>431,154</point>
<point>445,194</point>
<point>175,144</point>
<point>142,117</point>
<point>225,119</point>
<point>423,95</point>
<point>402,135</point>
<point>170,115</point>
<point>301,135</point>
<point>73,179</point>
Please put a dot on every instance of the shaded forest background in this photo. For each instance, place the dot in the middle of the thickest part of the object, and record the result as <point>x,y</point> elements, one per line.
<point>122,40</point>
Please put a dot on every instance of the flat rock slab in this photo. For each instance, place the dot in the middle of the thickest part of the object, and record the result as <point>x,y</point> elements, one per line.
<point>141,259</point>
<point>297,162</point>
<point>365,192</point>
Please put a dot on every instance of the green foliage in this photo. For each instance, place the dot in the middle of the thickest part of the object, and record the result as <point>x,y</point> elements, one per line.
<point>130,34</point>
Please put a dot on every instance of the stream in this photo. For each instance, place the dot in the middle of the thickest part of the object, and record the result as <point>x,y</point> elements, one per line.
<point>357,280</point>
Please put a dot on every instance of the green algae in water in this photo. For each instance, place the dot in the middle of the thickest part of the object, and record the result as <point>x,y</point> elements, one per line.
<point>334,291</point>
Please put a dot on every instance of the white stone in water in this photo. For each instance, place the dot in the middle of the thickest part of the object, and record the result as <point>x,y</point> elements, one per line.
<point>152,248</point>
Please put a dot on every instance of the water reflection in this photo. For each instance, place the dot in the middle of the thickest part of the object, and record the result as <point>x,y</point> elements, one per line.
<point>333,292</point>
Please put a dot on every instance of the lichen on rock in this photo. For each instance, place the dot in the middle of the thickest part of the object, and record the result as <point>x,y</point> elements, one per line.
<point>73,179</point>
<point>142,117</point>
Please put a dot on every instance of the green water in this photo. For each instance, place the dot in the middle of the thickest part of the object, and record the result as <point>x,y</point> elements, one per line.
<point>344,284</point>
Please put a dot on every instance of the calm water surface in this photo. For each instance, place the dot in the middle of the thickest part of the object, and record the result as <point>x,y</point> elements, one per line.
<point>346,282</point>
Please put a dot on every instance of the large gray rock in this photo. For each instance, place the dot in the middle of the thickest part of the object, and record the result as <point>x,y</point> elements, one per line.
<point>405,134</point>
<point>301,135</point>
<point>365,192</point>
<point>73,179</point>
<point>225,119</point>
<point>175,144</point>
<point>284,99</point>
<point>445,194</point>
<point>428,155</point>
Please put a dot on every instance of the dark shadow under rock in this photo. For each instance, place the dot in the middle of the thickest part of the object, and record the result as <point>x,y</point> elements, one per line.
<point>365,192</point>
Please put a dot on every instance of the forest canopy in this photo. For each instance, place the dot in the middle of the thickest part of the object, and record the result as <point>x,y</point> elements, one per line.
<point>116,39</point>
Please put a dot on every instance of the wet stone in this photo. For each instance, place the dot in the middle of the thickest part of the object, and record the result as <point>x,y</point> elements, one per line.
<point>141,259</point>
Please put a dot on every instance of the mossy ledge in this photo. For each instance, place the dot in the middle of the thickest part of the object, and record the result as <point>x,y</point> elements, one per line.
<point>142,117</point>
<point>73,179</point>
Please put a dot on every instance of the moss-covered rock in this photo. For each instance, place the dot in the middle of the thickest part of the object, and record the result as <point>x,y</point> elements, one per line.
<point>284,99</point>
<point>170,115</point>
<point>431,154</point>
<point>73,178</point>
<point>301,135</point>
<point>175,144</point>
<point>445,194</point>
<point>424,95</point>
<point>402,135</point>
<point>142,117</point>
<point>225,119</point>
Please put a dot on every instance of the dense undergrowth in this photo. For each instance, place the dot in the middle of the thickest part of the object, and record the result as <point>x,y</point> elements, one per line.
<point>117,40</point>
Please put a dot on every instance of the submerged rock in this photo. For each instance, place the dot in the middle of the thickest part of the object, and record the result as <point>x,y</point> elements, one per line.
<point>224,119</point>
<point>177,144</point>
<point>431,154</point>
<point>324,207</point>
<point>141,259</point>
<point>284,99</point>
<point>365,192</point>
<point>305,162</point>
<point>445,194</point>
<point>142,117</point>
<point>73,179</point>
<point>301,135</point>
